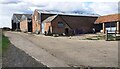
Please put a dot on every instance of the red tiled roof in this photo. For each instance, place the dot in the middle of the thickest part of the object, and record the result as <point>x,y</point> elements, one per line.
<point>108,18</point>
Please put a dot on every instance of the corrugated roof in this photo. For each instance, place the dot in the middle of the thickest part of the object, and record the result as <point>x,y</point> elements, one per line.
<point>49,19</point>
<point>28,15</point>
<point>18,16</point>
<point>108,18</point>
<point>64,13</point>
<point>24,16</point>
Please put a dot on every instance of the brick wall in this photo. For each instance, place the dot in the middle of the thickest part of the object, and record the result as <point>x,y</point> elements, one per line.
<point>24,25</point>
<point>55,27</point>
<point>84,24</point>
<point>36,22</point>
<point>47,25</point>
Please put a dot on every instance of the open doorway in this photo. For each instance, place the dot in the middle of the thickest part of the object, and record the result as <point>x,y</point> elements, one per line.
<point>66,31</point>
<point>13,26</point>
<point>30,26</point>
<point>110,27</point>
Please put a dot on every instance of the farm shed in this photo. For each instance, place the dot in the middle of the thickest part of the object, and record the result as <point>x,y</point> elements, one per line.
<point>37,19</point>
<point>68,24</point>
<point>109,22</point>
<point>71,23</point>
<point>16,21</point>
<point>26,23</point>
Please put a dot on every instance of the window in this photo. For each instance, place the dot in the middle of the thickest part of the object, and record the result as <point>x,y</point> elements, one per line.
<point>60,24</point>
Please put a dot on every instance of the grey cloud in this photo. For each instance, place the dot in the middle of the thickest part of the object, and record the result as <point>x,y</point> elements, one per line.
<point>11,2</point>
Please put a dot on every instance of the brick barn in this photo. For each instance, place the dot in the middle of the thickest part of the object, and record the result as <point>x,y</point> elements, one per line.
<point>62,23</point>
<point>54,25</point>
<point>37,18</point>
<point>68,24</point>
<point>109,22</point>
<point>26,23</point>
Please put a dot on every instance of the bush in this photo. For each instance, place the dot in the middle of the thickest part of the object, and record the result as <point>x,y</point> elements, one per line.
<point>6,29</point>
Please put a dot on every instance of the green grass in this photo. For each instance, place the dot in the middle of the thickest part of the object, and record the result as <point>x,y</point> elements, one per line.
<point>111,37</point>
<point>92,38</point>
<point>5,43</point>
<point>96,38</point>
<point>0,44</point>
<point>118,38</point>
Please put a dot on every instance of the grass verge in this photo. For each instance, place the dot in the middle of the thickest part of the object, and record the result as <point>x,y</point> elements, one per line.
<point>5,42</point>
<point>111,37</point>
<point>95,38</point>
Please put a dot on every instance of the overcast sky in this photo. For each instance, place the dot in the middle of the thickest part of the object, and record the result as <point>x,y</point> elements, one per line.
<point>8,7</point>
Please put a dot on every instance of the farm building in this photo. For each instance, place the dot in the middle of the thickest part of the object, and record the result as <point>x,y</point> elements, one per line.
<point>111,23</point>
<point>68,24</point>
<point>37,19</point>
<point>62,23</point>
<point>16,21</point>
<point>26,23</point>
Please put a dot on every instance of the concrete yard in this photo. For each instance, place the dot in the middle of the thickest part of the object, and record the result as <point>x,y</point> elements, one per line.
<point>64,52</point>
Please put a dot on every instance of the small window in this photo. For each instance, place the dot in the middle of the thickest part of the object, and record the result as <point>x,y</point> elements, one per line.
<point>60,24</point>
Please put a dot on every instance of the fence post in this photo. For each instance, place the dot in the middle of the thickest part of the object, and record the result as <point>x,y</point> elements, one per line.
<point>106,38</point>
<point>115,34</point>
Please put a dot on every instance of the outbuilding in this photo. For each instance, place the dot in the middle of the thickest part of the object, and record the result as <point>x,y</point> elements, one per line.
<point>54,25</point>
<point>68,24</point>
<point>19,22</point>
<point>111,23</point>
<point>44,21</point>
<point>26,23</point>
<point>37,18</point>
<point>16,21</point>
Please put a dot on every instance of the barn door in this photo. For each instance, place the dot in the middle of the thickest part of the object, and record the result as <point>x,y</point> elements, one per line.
<point>30,26</point>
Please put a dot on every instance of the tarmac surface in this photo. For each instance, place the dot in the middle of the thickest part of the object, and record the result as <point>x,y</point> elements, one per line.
<point>64,52</point>
<point>14,57</point>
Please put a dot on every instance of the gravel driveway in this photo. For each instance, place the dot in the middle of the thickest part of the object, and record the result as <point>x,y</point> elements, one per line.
<point>63,52</point>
